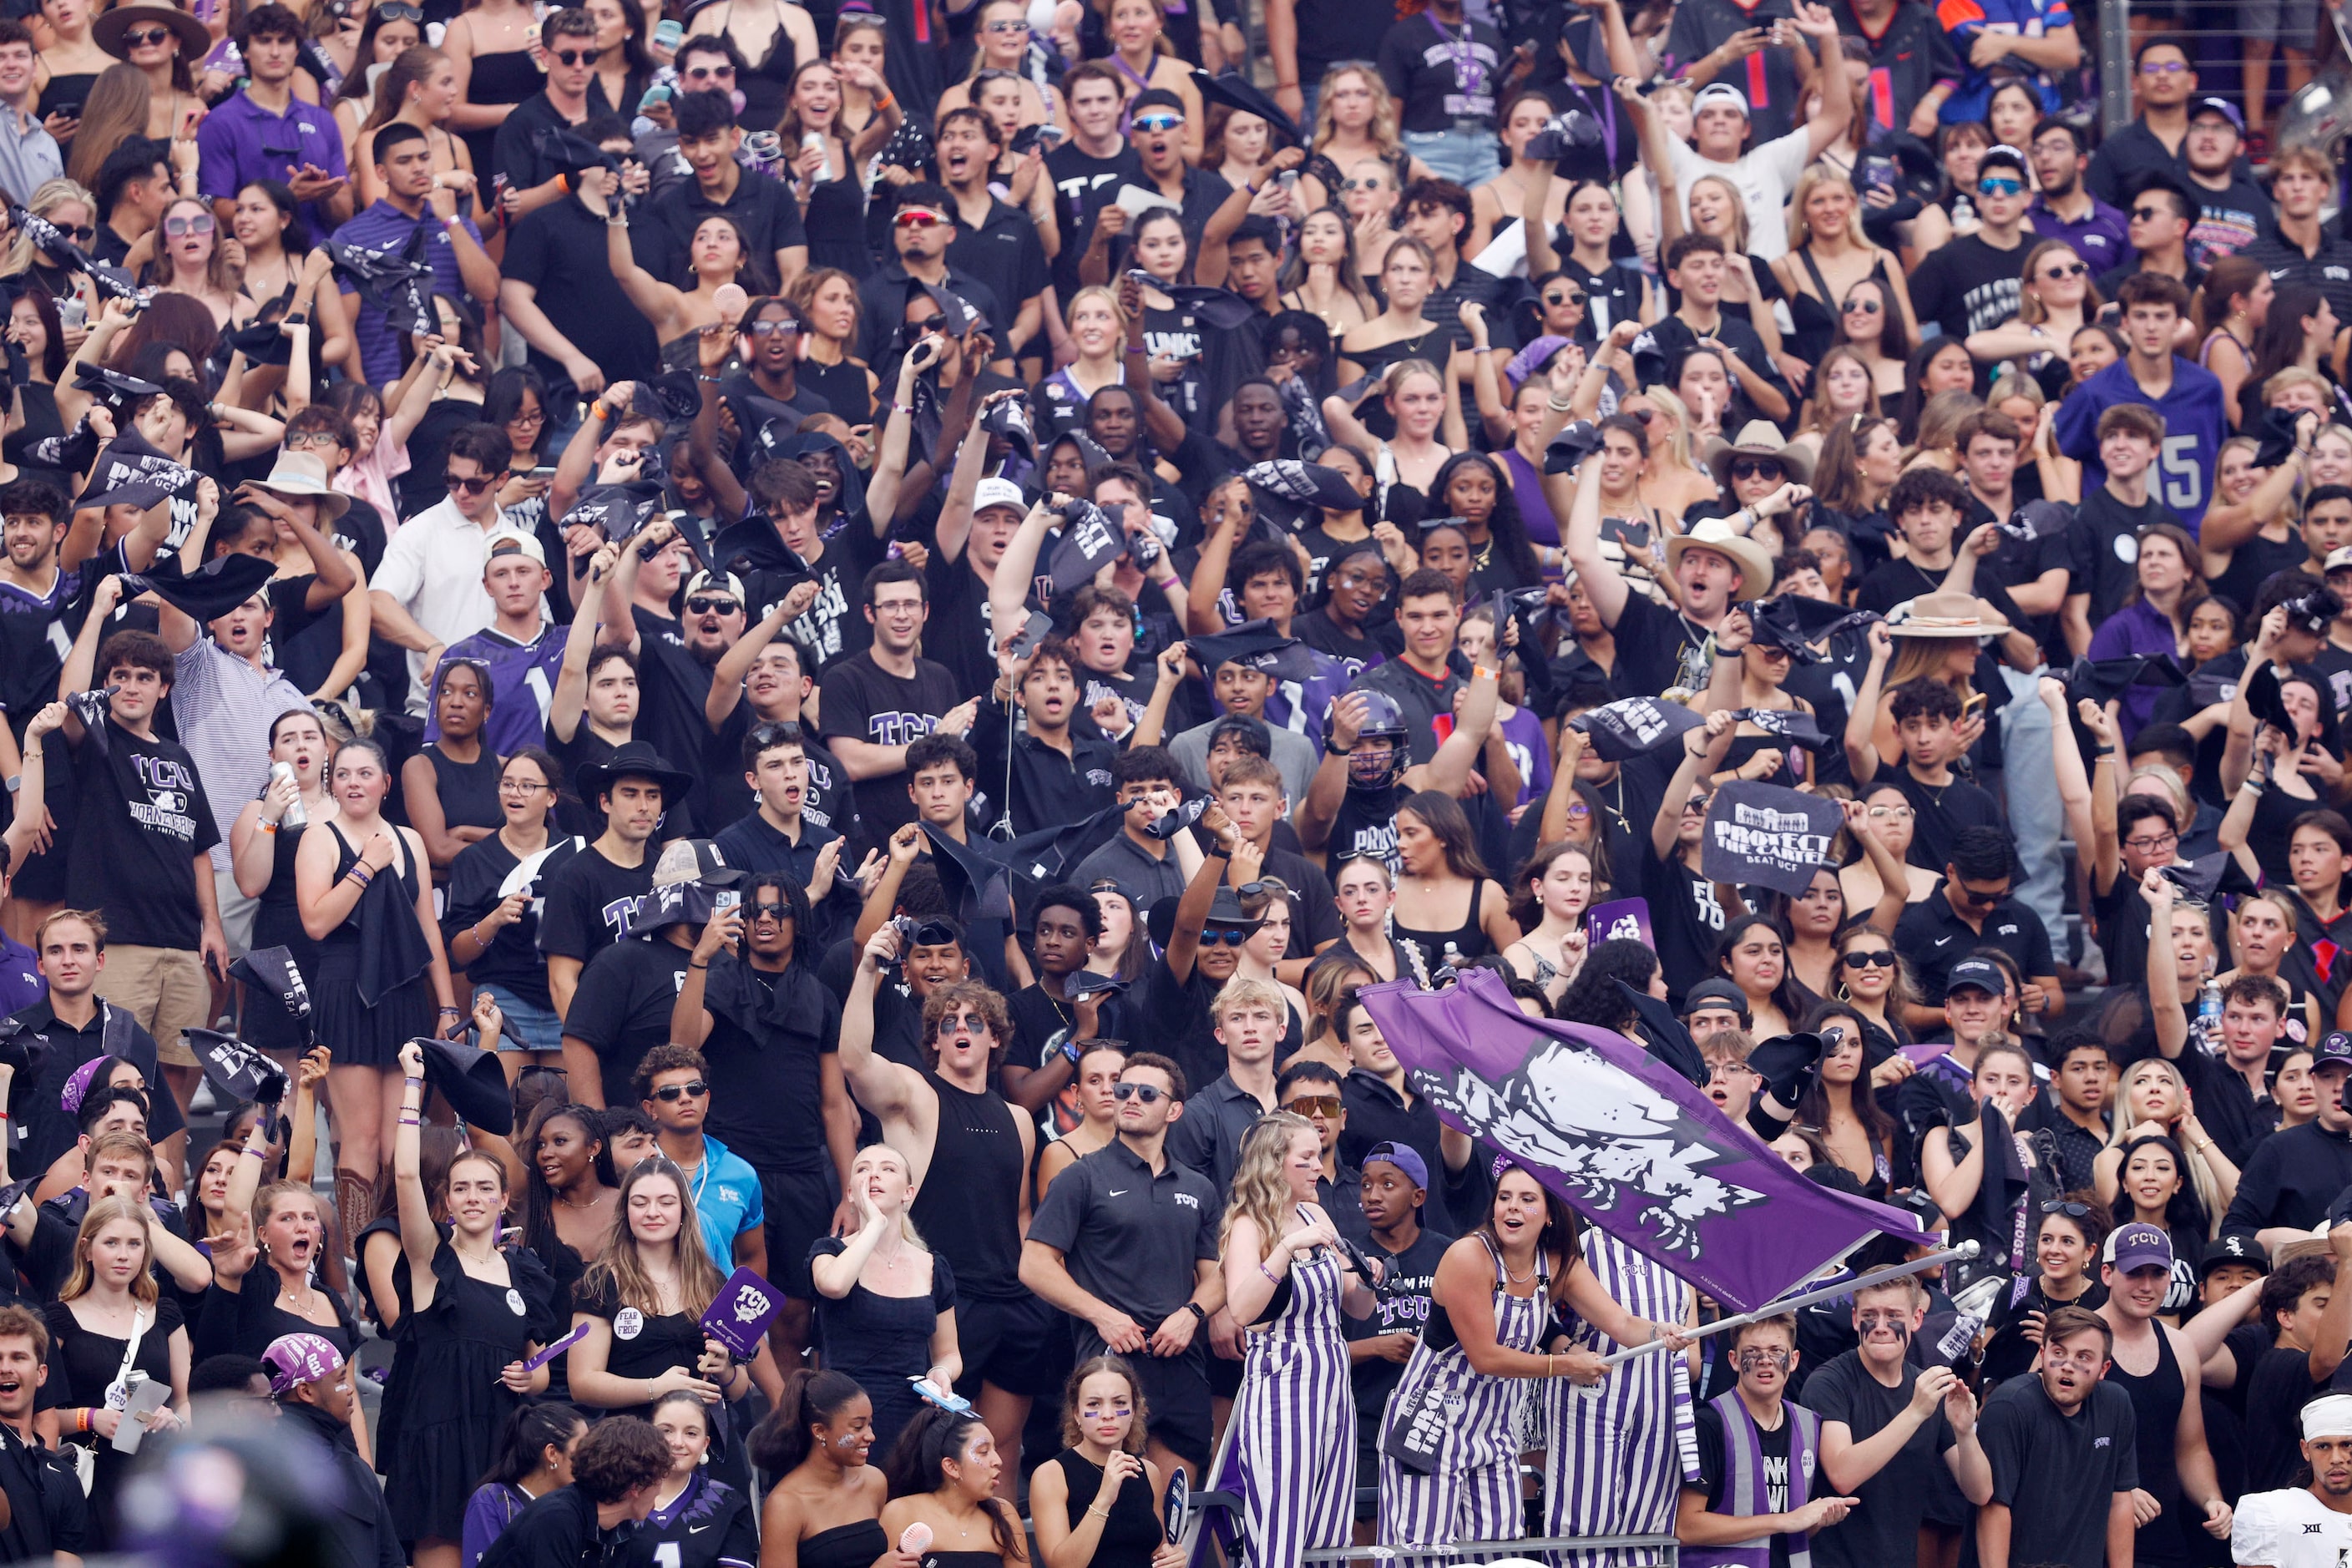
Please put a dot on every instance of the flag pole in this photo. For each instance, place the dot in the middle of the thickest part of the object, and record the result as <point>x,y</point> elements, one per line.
<point>1960,1254</point>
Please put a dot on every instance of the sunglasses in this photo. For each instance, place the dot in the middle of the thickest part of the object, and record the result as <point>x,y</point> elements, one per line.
<point>1757,468</point>
<point>2063,270</point>
<point>2147,214</point>
<point>2163,68</point>
<point>574,57</point>
<point>1006,28</point>
<point>1371,185</point>
<point>179,227</point>
<point>707,73</point>
<point>1643,415</point>
<point>702,604</point>
<point>81,235</point>
<point>1883,959</point>
<point>1158,119</point>
<point>1564,296</point>
<point>394,11</point>
<point>2001,187</point>
<point>1149,1093</point>
<point>917,217</point>
<point>779,913</point>
<point>1229,938</point>
<point>472,487</point>
<point>2072,1211</point>
<point>775,328</point>
<point>140,37</point>
<point>968,1023</point>
<point>1978,897</point>
<point>671,1093</point>
<point>1326,1106</point>
<point>1867,307</point>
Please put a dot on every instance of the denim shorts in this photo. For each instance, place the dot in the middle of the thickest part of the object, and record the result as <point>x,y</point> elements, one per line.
<point>529,1026</point>
<point>1469,159</point>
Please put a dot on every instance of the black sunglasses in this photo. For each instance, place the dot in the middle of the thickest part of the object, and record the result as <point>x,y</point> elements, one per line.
<point>574,57</point>
<point>704,605</point>
<point>1229,938</point>
<point>1149,1093</point>
<point>2071,1210</point>
<point>672,1092</point>
<point>777,912</point>
<point>472,487</point>
<point>1564,297</point>
<point>2065,269</point>
<point>1883,959</point>
<point>1757,468</point>
<point>140,37</point>
<point>396,11</point>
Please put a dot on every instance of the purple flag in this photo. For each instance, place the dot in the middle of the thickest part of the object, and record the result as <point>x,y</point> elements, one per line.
<point>1626,1143</point>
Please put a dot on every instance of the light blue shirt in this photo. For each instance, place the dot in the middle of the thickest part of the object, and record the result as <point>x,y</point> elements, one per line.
<point>725,1199</point>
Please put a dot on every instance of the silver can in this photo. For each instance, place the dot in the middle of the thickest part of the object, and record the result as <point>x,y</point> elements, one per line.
<point>295,815</point>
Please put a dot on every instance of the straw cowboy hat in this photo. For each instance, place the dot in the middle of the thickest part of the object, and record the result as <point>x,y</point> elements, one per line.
<point>1754,563</point>
<point>1946,615</point>
<point>1758,438</point>
<point>301,476</point>
<point>108,30</point>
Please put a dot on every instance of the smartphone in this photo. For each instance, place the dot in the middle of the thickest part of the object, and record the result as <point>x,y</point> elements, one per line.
<point>1973,706</point>
<point>1633,535</point>
<point>542,473</point>
<point>726,898</point>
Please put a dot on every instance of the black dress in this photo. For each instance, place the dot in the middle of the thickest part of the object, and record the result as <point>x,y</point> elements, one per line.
<point>66,92</point>
<point>507,77</point>
<point>707,1524</point>
<point>882,1340</point>
<point>277,922</point>
<point>842,386</point>
<point>243,1321</point>
<point>370,996</point>
<point>468,791</point>
<point>835,221</point>
<point>845,1546</point>
<point>443,1403</point>
<point>1131,1532</point>
<point>90,1364</point>
<point>645,1345</point>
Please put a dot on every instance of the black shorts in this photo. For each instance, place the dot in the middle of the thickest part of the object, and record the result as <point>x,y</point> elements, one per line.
<point>799,1206</point>
<point>1175,1395</point>
<point>1019,1346</point>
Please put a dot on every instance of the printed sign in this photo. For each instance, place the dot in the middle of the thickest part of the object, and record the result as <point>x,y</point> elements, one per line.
<point>1633,726</point>
<point>1764,835</point>
<point>742,1312</point>
<point>1620,919</point>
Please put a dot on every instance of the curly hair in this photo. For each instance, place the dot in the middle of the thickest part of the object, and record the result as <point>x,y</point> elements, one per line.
<point>1260,1192</point>
<point>955,996</point>
<point>1593,999</point>
<point>1117,1367</point>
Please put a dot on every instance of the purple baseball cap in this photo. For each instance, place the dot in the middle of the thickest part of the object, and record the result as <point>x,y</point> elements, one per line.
<point>295,1359</point>
<point>2223,107</point>
<point>2136,1246</point>
<point>1404,1157</point>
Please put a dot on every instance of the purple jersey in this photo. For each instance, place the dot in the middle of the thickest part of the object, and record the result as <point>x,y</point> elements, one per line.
<point>522,685</point>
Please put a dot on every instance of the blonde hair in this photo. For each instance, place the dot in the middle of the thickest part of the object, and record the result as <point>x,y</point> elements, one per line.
<point>1940,422</point>
<point>2197,1173</point>
<point>907,1231</point>
<point>2029,308</point>
<point>1801,232</point>
<point>1739,240</point>
<point>51,195</point>
<point>1243,992</point>
<point>1261,1193</point>
<point>1676,443</point>
<point>2010,384</point>
<point>1383,128</point>
<point>1096,291</point>
<point>621,1270</point>
<point>2174,791</point>
<point>101,1213</point>
<point>2292,375</point>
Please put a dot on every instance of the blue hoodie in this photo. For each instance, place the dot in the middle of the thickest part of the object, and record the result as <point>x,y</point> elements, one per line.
<point>2194,428</point>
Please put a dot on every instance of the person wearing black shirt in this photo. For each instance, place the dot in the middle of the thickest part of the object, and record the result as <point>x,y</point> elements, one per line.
<point>921,232</point>
<point>1972,909</point>
<point>616,1475</point>
<point>676,653</point>
<point>2104,539</point>
<point>1088,169</point>
<point>764,208</point>
<point>1929,718</point>
<point>591,900</point>
<point>2058,1442</point>
<point>2294,1176</point>
<point>559,292</point>
<point>878,702</point>
<point>2165,80</point>
<point>493,934</point>
<point>621,1008</point>
<point>1393,1191</point>
<point>1974,282</point>
<point>996,242</point>
<point>1686,917</point>
<point>1056,767</point>
<point>531,170</point>
<point>2312,1319</point>
<point>1912,65</point>
<point>2296,248</point>
<point>751,1002</point>
<point>1695,268</point>
<point>780,834</point>
<point>2232,211</point>
<point>70,1027</point>
<point>1446,71</point>
<point>313,1382</point>
<point>46,1512</point>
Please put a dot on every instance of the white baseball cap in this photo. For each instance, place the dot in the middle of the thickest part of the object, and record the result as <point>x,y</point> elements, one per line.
<point>998,492</point>
<point>1720,92</point>
<point>513,541</point>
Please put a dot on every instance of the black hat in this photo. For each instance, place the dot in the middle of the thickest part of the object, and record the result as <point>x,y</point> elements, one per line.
<point>2233,1248</point>
<point>2039,519</point>
<point>2100,680</point>
<point>2209,875</point>
<point>1049,854</point>
<point>1716,992</point>
<point>399,285</point>
<point>632,759</point>
<point>1009,417</point>
<point>1255,644</point>
<point>1793,725</point>
<point>1235,91</point>
<point>1570,449</point>
<point>1093,983</point>
<point>1634,726</point>
<point>236,1068</point>
<point>1311,483</point>
<point>471,1080</point>
<point>568,152</point>
<point>1220,309</point>
<point>1793,622</point>
<point>1089,541</point>
<point>272,972</point>
<point>210,592</point>
<point>1560,133</point>
<point>675,393</point>
<point>111,385</point>
<point>2278,435</point>
<point>2333,1048</point>
<point>958,316</point>
<point>977,885</point>
<point>1975,975</point>
<point>2266,698</point>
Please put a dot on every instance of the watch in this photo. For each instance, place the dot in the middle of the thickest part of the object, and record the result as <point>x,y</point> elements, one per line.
<point>1197,1311</point>
<point>1332,750</point>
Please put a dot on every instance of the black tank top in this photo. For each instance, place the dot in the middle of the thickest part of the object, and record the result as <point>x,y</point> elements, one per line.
<point>1448,949</point>
<point>469,791</point>
<point>974,1219</point>
<point>845,1546</point>
<point>1131,1533</point>
<point>2155,1408</point>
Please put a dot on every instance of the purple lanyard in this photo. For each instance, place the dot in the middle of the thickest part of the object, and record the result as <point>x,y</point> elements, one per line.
<point>1468,74</point>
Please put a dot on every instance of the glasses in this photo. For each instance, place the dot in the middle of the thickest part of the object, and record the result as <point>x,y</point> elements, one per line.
<point>1006,28</point>
<point>2072,1211</point>
<point>1158,119</point>
<point>1882,959</point>
<point>1374,184</point>
<point>775,328</point>
<point>520,787</point>
<point>917,217</point>
<point>1643,415</point>
<point>779,913</point>
<point>671,1093</point>
<point>178,227</point>
<point>1696,806</point>
<point>1580,810</point>
<point>1980,897</point>
<point>703,605</point>
<point>1325,1105</point>
<point>2147,214</point>
<point>574,57</point>
<point>394,11</point>
<point>1756,468</point>
<point>2000,187</point>
<point>1149,1093</point>
<point>2153,846</point>
<point>1760,1355</point>
<point>1229,938</point>
<point>140,37</point>
<point>1867,307</point>
<point>1564,296</point>
<point>472,487</point>
<point>969,1023</point>
<point>2063,270</point>
<point>528,416</point>
<point>701,73</point>
<point>2162,67</point>
<point>1887,812</point>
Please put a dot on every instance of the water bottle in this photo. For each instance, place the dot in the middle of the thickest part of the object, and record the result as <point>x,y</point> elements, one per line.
<point>2209,1003</point>
<point>295,815</point>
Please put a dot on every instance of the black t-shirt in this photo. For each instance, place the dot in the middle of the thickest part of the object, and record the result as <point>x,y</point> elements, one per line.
<point>770,1034</point>
<point>512,959</point>
<point>2122,917</point>
<point>2280,1385</point>
<point>2228,220</point>
<point>1685,918</point>
<point>672,686</point>
<point>141,819</point>
<point>1656,648</point>
<point>1400,1305</point>
<point>2052,1471</point>
<point>623,1006</point>
<point>961,634</point>
<point>1767,79</point>
<point>1083,187</point>
<point>587,901</point>
<point>1774,1447</point>
<point>1004,253</point>
<point>1939,812</point>
<point>1969,286</point>
<point>764,208</point>
<point>863,701</point>
<point>560,251</point>
<point>1440,74</point>
<point>2103,548</point>
<point>1893,1502</point>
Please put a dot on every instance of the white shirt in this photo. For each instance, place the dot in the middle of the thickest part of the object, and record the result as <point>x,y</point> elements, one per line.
<point>2289,1528</point>
<point>433,569</point>
<point>1763,176</point>
<point>225,707</point>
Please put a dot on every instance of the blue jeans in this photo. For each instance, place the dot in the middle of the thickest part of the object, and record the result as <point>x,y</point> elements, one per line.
<point>529,1026</point>
<point>2037,819</point>
<point>1468,158</point>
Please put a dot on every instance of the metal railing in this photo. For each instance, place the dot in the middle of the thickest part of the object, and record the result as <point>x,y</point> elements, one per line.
<point>1658,1549</point>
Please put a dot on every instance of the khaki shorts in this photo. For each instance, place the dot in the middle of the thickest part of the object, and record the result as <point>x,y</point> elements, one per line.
<point>165,989</point>
<point>236,912</point>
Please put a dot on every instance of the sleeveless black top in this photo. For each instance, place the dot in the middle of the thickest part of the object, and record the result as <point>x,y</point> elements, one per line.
<point>974,1219</point>
<point>1131,1533</point>
<point>468,791</point>
<point>845,1546</point>
<point>2156,1410</point>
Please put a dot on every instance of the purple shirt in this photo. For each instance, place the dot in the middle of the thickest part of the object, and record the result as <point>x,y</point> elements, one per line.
<point>21,983</point>
<point>2135,629</point>
<point>240,142</point>
<point>387,228</point>
<point>2102,239</point>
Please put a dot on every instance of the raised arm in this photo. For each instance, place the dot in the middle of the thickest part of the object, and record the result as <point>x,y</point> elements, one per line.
<point>1578,498</point>
<point>878,1082</point>
<point>1862,718</point>
<point>1703,751</point>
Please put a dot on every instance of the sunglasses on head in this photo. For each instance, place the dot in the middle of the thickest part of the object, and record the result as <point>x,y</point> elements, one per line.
<point>1757,468</point>
<point>472,487</point>
<point>395,11</point>
<point>671,1093</point>
<point>179,227</point>
<point>574,57</point>
<point>1149,1093</point>
<point>1882,959</point>
<point>2072,1211</point>
<point>706,604</point>
<point>140,37</point>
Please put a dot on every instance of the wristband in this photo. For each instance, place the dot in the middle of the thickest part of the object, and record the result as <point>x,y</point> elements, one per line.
<point>1219,851</point>
<point>253,1152</point>
<point>1199,1313</point>
<point>702,965</point>
<point>269,827</point>
<point>708,380</point>
<point>1269,1273</point>
<point>563,183</point>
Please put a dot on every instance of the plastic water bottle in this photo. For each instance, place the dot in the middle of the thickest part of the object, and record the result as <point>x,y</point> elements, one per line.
<point>2208,1003</point>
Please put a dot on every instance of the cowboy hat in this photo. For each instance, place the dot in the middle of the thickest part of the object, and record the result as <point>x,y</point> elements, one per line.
<point>1713,533</point>
<point>108,30</point>
<point>1758,438</point>
<point>633,760</point>
<point>301,476</point>
<point>1946,615</point>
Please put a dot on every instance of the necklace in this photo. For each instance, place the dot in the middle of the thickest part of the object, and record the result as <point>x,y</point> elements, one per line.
<point>590,1204</point>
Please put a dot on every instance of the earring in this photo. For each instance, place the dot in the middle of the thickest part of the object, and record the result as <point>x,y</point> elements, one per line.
<point>706,1457</point>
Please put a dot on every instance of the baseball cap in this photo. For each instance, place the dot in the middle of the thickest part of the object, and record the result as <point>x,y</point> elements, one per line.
<point>2339,559</point>
<point>2232,1249</point>
<point>1975,973</point>
<point>297,1358</point>
<point>694,860</point>
<point>2334,1049</point>
<point>513,541</point>
<point>2138,1245</point>
<point>2002,153</point>
<point>1404,1157</point>
<point>715,583</point>
<point>1720,92</point>
<point>2223,107</point>
<point>998,492</point>
<point>1714,993</point>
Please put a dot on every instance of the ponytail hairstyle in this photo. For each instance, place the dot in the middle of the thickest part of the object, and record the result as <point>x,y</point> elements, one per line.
<point>526,1434</point>
<point>781,1441</point>
<point>932,1439</point>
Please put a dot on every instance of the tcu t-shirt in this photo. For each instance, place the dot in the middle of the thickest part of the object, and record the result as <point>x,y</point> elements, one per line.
<point>141,819</point>
<point>1969,286</point>
<point>1886,1526</point>
<point>863,701</point>
<point>1440,74</point>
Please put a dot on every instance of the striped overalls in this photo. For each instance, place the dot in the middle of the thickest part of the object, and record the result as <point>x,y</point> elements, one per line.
<point>1295,1422</point>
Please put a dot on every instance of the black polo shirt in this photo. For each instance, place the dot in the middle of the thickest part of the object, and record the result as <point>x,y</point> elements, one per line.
<point>2129,156</point>
<point>2327,269</point>
<point>1128,1237</point>
<point>1209,1137</point>
<point>1933,937</point>
<point>622,1008</point>
<point>515,154</point>
<point>2226,1107</point>
<point>2052,1471</point>
<point>1377,1114</point>
<point>1006,254</point>
<point>47,1132</point>
<point>770,218</point>
<point>2291,1180</point>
